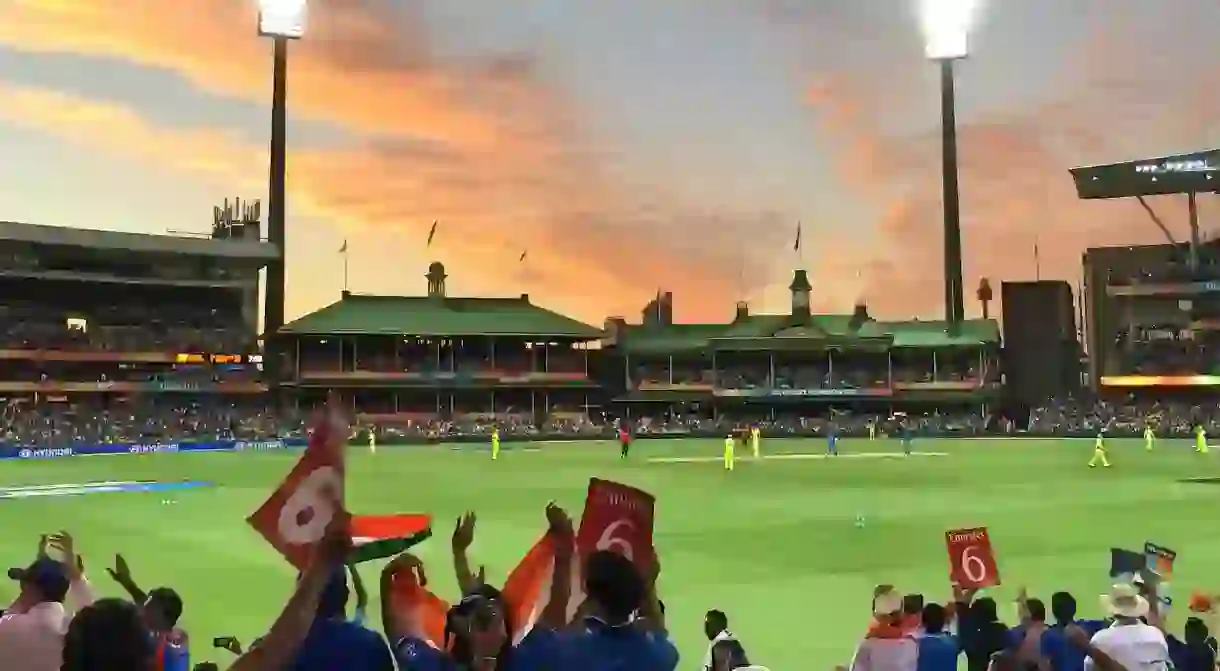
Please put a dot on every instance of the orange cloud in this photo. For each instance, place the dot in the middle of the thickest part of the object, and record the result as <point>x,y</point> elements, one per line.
<point>1016,191</point>
<point>481,145</point>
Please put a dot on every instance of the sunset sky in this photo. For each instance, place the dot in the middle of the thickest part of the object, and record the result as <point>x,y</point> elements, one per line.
<point>629,146</point>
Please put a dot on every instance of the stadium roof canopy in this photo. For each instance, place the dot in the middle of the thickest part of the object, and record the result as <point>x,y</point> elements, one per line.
<point>59,236</point>
<point>356,314</point>
<point>1197,172</point>
<point>764,332</point>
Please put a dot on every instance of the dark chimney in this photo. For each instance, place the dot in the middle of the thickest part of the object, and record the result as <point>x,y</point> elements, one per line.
<point>859,317</point>
<point>743,311</point>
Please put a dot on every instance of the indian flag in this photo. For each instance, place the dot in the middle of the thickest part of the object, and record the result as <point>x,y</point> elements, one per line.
<point>381,536</point>
<point>525,594</point>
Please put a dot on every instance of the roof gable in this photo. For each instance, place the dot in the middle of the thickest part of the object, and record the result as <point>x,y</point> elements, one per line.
<point>356,314</point>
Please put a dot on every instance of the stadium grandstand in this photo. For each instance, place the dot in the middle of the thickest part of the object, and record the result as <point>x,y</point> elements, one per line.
<point>442,364</point>
<point>1153,311</point>
<point>800,367</point>
<point>130,338</point>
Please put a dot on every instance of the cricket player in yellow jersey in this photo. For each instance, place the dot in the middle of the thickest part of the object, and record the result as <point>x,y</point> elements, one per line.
<point>373,439</point>
<point>730,445</point>
<point>1200,439</point>
<point>755,439</point>
<point>1099,452</point>
<point>1149,437</point>
<point>495,443</point>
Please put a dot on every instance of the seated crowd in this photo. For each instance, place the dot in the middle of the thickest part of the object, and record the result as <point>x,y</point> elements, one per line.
<point>147,418</point>
<point>1124,415</point>
<point>850,372</point>
<point>125,328</point>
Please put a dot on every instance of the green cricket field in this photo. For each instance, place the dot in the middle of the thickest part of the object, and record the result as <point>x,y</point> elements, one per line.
<point>790,545</point>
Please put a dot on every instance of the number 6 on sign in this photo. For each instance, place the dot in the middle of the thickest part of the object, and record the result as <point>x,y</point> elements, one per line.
<point>971,560</point>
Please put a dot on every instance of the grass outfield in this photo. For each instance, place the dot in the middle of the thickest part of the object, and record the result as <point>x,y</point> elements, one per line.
<point>774,544</point>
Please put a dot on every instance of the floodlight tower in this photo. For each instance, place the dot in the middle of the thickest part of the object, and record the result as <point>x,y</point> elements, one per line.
<point>946,25</point>
<point>281,20</point>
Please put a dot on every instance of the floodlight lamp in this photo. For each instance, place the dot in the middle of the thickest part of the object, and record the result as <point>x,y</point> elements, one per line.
<point>282,18</point>
<point>946,27</point>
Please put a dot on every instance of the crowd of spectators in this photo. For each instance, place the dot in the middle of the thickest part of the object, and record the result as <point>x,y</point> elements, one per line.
<point>150,418</point>
<point>908,634</point>
<point>392,355</point>
<point>125,328</point>
<point>1164,351</point>
<point>857,371</point>
<point>1127,415</point>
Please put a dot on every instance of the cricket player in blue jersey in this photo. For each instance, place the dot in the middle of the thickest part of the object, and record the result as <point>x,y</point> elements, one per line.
<point>906,435</point>
<point>832,438</point>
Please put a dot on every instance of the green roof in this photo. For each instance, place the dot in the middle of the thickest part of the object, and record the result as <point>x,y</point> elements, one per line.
<point>658,339</point>
<point>356,314</point>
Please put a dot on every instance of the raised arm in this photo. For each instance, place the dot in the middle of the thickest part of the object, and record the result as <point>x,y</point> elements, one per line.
<point>399,625</point>
<point>362,595</point>
<point>555,614</point>
<point>463,537</point>
<point>278,648</point>
<point>121,573</point>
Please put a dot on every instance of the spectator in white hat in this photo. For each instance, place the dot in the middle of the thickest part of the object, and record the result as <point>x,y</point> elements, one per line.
<point>1130,641</point>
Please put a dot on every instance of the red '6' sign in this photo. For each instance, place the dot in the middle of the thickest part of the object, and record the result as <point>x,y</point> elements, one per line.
<point>971,559</point>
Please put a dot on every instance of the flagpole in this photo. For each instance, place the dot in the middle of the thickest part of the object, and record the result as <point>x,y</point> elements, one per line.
<point>1037,262</point>
<point>343,251</point>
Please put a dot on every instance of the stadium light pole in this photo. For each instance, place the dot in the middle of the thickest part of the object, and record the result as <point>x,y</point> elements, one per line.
<point>946,25</point>
<point>281,20</point>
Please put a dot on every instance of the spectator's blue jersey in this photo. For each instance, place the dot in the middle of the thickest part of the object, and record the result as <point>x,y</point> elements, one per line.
<point>173,651</point>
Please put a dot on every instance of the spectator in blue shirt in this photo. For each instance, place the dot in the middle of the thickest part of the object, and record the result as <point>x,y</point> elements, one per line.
<point>1197,652</point>
<point>938,649</point>
<point>623,625</point>
<point>609,638</point>
<point>334,642</point>
<point>1056,647</point>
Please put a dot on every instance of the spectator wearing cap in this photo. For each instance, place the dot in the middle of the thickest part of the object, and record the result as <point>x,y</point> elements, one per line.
<point>335,642</point>
<point>888,646</point>
<point>33,627</point>
<point>1129,640</point>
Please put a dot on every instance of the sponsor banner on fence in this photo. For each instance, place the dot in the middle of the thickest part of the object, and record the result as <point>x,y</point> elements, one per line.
<point>18,452</point>
<point>802,393</point>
